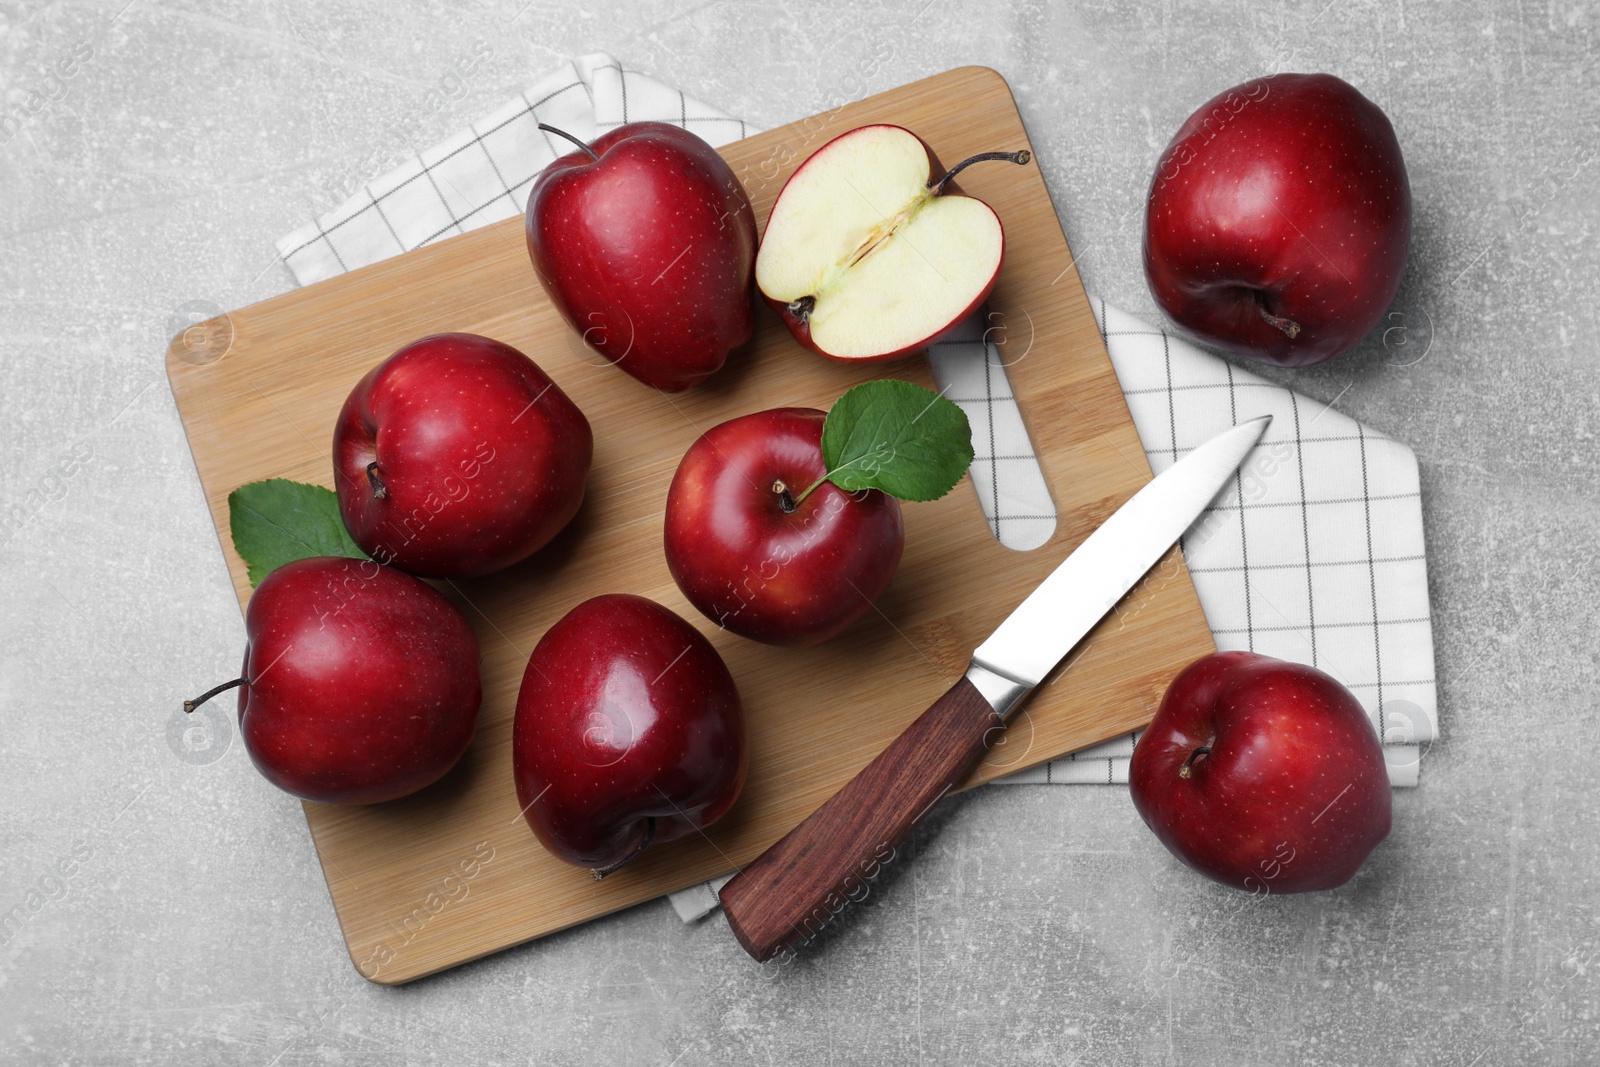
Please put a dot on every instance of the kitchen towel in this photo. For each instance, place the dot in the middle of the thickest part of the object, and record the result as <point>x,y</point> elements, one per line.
<point>1315,553</point>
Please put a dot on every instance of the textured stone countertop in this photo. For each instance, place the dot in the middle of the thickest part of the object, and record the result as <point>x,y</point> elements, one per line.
<point>1035,924</point>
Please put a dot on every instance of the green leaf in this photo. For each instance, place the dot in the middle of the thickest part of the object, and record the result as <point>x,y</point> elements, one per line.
<point>898,437</point>
<point>278,521</point>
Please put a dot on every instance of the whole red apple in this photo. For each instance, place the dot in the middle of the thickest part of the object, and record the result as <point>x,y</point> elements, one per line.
<point>1279,220</point>
<point>458,456</point>
<point>1264,775</point>
<point>645,242</point>
<point>360,683</point>
<point>628,732</point>
<point>759,556</point>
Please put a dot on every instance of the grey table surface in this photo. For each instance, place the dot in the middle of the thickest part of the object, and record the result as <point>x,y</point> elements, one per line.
<point>1034,924</point>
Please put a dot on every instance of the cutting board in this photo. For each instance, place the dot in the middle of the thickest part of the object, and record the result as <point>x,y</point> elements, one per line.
<point>454,873</point>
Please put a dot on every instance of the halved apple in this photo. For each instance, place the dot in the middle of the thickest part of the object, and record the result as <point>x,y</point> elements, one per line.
<point>868,257</point>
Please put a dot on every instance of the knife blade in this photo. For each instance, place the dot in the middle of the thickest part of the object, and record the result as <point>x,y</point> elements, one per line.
<point>786,895</point>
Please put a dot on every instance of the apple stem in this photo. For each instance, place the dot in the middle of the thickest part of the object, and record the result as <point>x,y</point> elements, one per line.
<point>574,140</point>
<point>813,487</point>
<point>379,490</point>
<point>190,705</point>
<point>786,500</point>
<point>1020,158</point>
<point>597,873</point>
<point>1194,757</point>
<point>1290,327</point>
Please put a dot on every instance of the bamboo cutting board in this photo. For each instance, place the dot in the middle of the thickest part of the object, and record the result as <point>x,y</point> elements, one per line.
<point>454,873</point>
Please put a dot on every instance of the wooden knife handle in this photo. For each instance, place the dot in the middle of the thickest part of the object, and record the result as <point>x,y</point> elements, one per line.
<point>780,900</point>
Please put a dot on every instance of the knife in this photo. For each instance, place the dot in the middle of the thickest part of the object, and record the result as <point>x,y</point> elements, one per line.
<point>791,890</point>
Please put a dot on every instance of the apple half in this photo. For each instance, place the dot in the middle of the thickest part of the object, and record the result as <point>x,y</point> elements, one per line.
<point>867,256</point>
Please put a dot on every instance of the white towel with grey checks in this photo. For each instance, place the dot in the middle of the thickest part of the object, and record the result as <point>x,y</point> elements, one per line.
<point>1314,554</point>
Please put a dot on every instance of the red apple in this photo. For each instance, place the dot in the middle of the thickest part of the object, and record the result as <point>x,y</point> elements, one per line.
<point>458,456</point>
<point>645,242</point>
<point>754,560</point>
<point>868,255</point>
<point>1264,775</point>
<point>360,683</point>
<point>1279,219</point>
<point>629,732</point>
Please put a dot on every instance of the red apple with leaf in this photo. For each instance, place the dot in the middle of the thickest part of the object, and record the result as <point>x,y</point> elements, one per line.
<point>869,256</point>
<point>645,242</point>
<point>1264,775</point>
<point>784,526</point>
<point>1279,220</point>
<point>629,733</point>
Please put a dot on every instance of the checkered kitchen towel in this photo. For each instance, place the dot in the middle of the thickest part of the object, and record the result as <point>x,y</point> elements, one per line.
<point>1314,554</point>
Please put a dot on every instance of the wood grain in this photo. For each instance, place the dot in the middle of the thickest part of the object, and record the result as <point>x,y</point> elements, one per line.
<point>453,873</point>
<point>783,897</point>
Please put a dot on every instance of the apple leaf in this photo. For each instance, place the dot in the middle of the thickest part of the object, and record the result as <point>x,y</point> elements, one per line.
<point>278,521</point>
<point>908,441</point>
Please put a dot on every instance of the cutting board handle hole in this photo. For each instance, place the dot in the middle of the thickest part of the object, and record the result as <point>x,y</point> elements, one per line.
<point>970,367</point>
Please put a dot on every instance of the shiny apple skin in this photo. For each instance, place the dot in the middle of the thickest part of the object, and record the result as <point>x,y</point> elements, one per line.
<point>362,683</point>
<point>1289,190</point>
<point>626,713</point>
<point>783,578</point>
<point>648,253</point>
<point>1293,795</point>
<point>481,456</point>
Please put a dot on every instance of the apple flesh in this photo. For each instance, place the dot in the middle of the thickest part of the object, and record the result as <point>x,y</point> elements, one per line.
<point>1279,220</point>
<point>756,559</point>
<point>628,733</point>
<point>360,683</point>
<point>867,257</point>
<point>457,456</point>
<point>1263,775</point>
<point>645,242</point>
